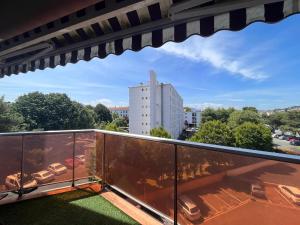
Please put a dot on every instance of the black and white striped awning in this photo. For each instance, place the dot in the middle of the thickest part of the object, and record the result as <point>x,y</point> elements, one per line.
<point>104,29</point>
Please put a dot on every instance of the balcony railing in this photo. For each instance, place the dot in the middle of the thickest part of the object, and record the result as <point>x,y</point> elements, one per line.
<point>183,182</point>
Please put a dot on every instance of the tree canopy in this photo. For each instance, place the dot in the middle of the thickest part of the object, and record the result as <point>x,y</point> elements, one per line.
<point>239,117</point>
<point>221,114</point>
<point>160,132</point>
<point>286,121</point>
<point>102,113</point>
<point>53,112</point>
<point>214,132</point>
<point>9,119</point>
<point>253,136</point>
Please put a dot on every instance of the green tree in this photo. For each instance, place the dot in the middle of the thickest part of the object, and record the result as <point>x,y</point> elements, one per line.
<point>112,127</point>
<point>239,117</point>
<point>221,114</point>
<point>53,112</point>
<point>253,136</point>
<point>120,122</point>
<point>276,120</point>
<point>85,118</point>
<point>159,132</point>
<point>187,109</point>
<point>9,119</point>
<point>102,113</point>
<point>251,108</point>
<point>214,132</point>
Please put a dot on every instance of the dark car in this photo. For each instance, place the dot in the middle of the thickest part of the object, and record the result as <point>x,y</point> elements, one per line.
<point>295,142</point>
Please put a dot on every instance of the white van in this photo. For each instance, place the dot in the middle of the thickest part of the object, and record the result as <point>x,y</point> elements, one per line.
<point>188,208</point>
<point>290,192</point>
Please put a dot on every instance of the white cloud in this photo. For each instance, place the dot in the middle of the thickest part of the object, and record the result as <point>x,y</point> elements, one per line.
<point>205,105</point>
<point>107,102</point>
<point>221,52</point>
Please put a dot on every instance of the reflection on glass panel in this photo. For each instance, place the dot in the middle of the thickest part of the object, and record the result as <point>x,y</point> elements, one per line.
<point>217,188</point>
<point>10,162</point>
<point>47,158</point>
<point>143,169</point>
<point>99,154</point>
<point>85,155</point>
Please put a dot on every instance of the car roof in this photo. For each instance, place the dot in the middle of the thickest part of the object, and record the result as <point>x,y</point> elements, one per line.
<point>295,190</point>
<point>189,203</point>
<point>55,164</point>
<point>43,171</point>
<point>12,176</point>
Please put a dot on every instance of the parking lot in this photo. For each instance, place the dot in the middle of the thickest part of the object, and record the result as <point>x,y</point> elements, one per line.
<point>223,203</point>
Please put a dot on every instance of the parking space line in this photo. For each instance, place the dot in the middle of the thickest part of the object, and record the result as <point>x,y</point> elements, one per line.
<point>222,200</point>
<point>285,198</point>
<point>229,210</point>
<point>232,196</point>
<point>210,205</point>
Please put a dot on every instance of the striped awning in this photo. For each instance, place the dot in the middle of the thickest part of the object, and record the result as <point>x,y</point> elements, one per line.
<point>106,28</point>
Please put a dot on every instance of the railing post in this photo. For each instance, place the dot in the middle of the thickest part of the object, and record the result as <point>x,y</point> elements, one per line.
<point>73,170</point>
<point>175,184</point>
<point>103,162</point>
<point>20,191</point>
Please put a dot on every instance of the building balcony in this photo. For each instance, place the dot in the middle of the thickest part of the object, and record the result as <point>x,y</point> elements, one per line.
<point>175,182</point>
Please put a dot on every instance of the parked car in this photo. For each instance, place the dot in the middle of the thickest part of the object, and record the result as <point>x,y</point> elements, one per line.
<point>295,142</point>
<point>81,158</point>
<point>189,209</point>
<point>69,163</point>
<point>57,168</point>
<point>258,190</point>
<point>281,137</point>
<point>43,176</point>
<point>291,138</point>
<point>14,181</point>
<point>291,192</point>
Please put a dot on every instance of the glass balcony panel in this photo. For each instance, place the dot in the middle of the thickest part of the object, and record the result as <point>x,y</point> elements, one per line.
<point>216,188</point>
<point>144,169</point>
<point>85,155</point>
<point>10,162</point>
<point>48,158</point>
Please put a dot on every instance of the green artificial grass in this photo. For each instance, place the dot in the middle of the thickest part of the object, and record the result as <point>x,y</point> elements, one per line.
<point>72,208</point>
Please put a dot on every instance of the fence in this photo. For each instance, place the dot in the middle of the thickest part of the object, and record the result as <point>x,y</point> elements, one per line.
<point>183,182</point>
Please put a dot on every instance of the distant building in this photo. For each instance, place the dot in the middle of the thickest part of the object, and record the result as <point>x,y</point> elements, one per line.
<point>192,118</point>
<point>121,111</point>
<point>153,105</point>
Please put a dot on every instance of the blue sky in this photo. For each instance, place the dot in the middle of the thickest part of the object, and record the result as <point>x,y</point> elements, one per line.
<point>258,66</point>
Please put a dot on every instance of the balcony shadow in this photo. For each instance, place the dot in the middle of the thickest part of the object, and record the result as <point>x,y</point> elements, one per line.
<point>79,207</point>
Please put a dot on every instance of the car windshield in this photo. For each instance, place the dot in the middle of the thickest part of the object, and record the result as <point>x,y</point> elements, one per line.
<point>46,174</point>
<point>194,210</point>
<point>59,167</point>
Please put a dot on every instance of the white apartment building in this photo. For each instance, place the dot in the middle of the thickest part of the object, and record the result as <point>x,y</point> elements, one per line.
<point>192,118</point>
<point>121,111</point>
<point>155,105</point>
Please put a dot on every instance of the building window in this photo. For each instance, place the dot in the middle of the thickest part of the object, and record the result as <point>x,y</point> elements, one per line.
<point>142,89</point>
<point>142,124</point>
<point>142,132</point>
<point>146,98</point>
<point>142,115</point>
